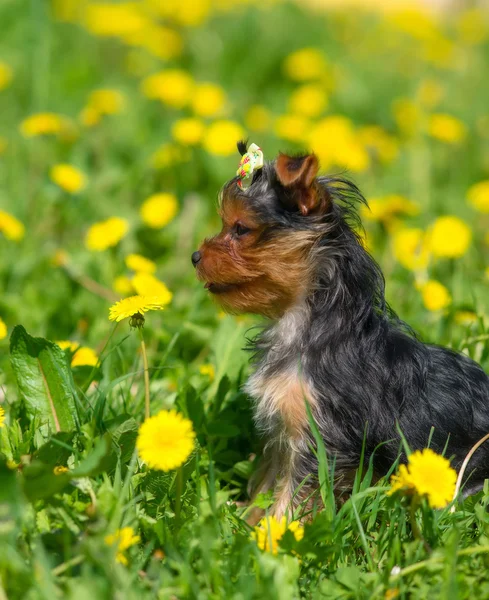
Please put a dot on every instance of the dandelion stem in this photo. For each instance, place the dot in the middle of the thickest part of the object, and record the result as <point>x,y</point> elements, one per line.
<point>414,525</point>
<point>146,376</point>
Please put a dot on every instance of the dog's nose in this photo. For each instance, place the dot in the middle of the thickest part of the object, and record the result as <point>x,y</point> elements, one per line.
<point>196,256</point>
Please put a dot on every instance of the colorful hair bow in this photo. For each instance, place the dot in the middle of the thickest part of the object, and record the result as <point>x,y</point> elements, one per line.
<point>249,163</point>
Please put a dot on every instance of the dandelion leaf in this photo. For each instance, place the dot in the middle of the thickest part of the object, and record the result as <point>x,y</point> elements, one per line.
<point>44,380</point>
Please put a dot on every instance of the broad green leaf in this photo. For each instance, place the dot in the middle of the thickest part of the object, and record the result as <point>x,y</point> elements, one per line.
<point>44,379</point>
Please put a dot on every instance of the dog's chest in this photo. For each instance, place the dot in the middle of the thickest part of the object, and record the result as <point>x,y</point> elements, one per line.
<point>278,386</point>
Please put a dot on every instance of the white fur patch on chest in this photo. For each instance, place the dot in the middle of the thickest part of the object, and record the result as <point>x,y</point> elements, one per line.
<point>281,397</point>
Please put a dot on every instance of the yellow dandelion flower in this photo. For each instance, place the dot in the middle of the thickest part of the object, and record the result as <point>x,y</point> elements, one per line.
<point>68,345</point>
<point>382,145</point>
<point>5,75</point>
<point>221,137</point>
<point>428,474</point>
<point>168,155</point>
<point>306,64</point>
<point>188,132</point>
<point>465,318</point>
<point>123,538</point>
<point>59,470</point>
<point>3,329</point>
<point>258,118</point>
<point>45,124</point>
<point>160,41</point>
<point>400,481</point>
<point>68,178</point>
<point>293,128</point>
<point>336,143</point>
<point>208,99</point>
<point>309,100</point>
<point>173,87</point>
<point>2,417</point>
<point>89,116</point>
<point>159,210</point>
<point>146,284</point>
<point>122,285</point>
<point>472,26</point>
<point>411,248</point>
<point>430,93</point>
<point>478,196</point>
<point>449,237</point>
<point>107,101</point>
<point>84,356</point>
<point>140,264</point>
<point>446,128</point>
<point>407,116</point>
<point>387,208</point>
<point>435,295</point>
<point>11,227</point>
<point>129,307</point>
<point>271,530</point>
<point>106,234</point>
<point>166,440</point>
<point>114,20</point>
<point>208,370</point>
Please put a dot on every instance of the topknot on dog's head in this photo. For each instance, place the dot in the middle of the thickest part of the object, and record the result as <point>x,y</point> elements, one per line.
<point>242,147</point>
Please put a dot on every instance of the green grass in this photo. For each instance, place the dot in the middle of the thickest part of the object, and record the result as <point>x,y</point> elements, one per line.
<point>195,542</point>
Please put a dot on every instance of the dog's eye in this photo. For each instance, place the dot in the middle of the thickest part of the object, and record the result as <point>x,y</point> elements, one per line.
<point>241,229</point>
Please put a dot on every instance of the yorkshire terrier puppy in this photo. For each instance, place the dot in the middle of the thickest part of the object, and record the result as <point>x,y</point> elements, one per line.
<point>289,251</point>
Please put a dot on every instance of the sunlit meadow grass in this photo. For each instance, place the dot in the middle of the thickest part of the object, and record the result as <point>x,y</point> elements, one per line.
<point>118,125</point>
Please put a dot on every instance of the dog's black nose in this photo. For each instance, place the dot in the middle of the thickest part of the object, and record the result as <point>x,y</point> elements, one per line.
<point>196,256</point>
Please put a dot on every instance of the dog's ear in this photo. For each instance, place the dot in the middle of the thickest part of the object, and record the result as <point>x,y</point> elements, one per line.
<point>298,174</point>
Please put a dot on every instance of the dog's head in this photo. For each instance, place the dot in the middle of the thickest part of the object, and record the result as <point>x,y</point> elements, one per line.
<point>261,261</point>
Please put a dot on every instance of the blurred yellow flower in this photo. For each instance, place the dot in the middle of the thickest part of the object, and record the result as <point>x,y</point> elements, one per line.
<point>5,75</point>
<point>407,116</point>
<point>166,440</point>
<point>159,210</point>
<point>122,285</point>
<point>271,530</point>
<point>414,21</point>
<point>107,101</point>
<point>67,345</point>
<point>449,237</point>
<point>60,469</point>
<point>115,20</point>
<point>134,305</point>
<point>309,100</point>
<point>11,227</point>
<point>3,329</point>
<point>411,249</point>
<point>146,284</point>
<point>381,144</point>
<point>430,93</point>
<point>335,142</point>
<point>478,196</point>
<point>258,118</point>
<point>140,264</point>
<point>446,128</point>
<point>386,208</point>
<point>473,27</point>
<point>208,370</point>
<point>427,474</point>
<point>123,538</point>
<point>84,356</point>
<point>68,178</point>
<point>292,128</point>
<point>306,64</point>
<point>465,317</point>
<point>45,124</point>
<point>2,417</point>
<point>173,87</point>
<point>435,295</point>
<point>221,137</point>
<point>89,116</point>
<point>188,132</point>
<point>105,234</point>
<point>168,155</point>
<point>208,99</point>
<point>188,13</point>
